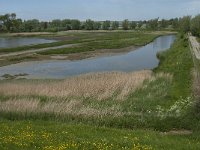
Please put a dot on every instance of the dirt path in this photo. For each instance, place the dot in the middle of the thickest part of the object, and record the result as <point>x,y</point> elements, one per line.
<point>37,50</point>
<point>195,49</point>
<point>195,46</point>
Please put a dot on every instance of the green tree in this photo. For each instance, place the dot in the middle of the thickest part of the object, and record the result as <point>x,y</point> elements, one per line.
<point>115,25</point>
<point>75,24</point>
<point>89,25</point>
<point>153,24</point>
<point>164,23</point>
<point>32,25</point>
<point>66,24</point>
<point>97,25</point>
<point>56,23</point>
<point>175,23</point>
<point>184,24</point>
<point>132,25</point>
<point>106,25</point>
<point>195,26</point>
<point>125,24</point>
<point>43,25</point>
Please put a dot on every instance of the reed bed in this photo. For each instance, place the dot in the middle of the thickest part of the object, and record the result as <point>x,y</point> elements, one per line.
<point>95,95</point>
<point>96,85</point>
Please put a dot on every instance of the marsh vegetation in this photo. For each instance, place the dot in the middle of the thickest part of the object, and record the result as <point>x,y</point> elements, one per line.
<point>148,109</point>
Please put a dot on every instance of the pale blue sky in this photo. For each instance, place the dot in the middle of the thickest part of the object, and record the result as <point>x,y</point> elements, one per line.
<point>100,9</point>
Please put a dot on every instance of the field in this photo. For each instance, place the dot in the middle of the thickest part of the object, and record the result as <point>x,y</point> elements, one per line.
<point>113,110</point>
<point>60,136</point>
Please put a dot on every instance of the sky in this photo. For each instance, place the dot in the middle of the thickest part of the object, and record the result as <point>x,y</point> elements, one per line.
<point>47,10</point>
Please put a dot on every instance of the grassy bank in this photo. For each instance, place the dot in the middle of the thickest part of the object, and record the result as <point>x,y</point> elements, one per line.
<point>53,136</point>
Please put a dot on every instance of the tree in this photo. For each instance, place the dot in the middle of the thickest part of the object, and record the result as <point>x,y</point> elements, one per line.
<point>32,25</point>
<point>43,25</point>
<point>66,24</point>
<point>16,25</point>
<point>125,24</point>
<point>106,25</point>
<point>139,24</point>
<point>75,24</point>
<point>184,24</point>
<point>175,23</point>
<point>195,26</point>
<point>115,25</point>
<point>89,25</point>
<point>153,24</point>
<point>97,25</point>
<point>163,23</point>
<point>56,23</point>
<point>132,25</point>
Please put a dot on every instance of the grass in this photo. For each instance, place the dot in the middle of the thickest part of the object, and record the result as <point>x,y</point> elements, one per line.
<point>164,102</point>
<point>52,136</point>
<point>86,42</point>
<point>178,62</point>
<point>140,106</point>
<point>109,39</point>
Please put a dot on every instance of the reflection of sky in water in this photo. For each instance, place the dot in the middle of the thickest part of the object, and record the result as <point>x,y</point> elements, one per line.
<point>143,58</point>
<point>16,42</point>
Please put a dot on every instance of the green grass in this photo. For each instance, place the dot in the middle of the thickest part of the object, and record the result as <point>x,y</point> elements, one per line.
<point>51,135</point>
<point>111,41</point>
<point>178,62</point>
<point>26,48</point>
<point>162,104</point>
<point>88,41</point>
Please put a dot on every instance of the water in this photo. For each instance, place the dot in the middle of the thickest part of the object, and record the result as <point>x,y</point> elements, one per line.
<point>22,41</point>
<point>142,58</point>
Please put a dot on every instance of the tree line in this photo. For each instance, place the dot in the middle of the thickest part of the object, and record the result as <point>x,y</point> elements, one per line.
<point>10,23</point>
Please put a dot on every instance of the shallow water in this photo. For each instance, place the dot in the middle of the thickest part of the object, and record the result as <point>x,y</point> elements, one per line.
<point>21,41</point>
<point>140,59</point>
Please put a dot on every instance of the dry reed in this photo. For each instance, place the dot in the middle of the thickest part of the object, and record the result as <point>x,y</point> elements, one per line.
<point>67,97</point>
<point>99,86</point>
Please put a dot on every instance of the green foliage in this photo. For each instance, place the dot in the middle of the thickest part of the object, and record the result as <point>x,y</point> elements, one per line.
<point>195,26</point>
<point>75,24</point>
<point>184,24</point>
<point>125,24</point>
<point>115,25</point>
<point>9,23</point>
<point>132,25</point>
<point>106,25</point>
<point>153,24</point>
<point>89,25</point>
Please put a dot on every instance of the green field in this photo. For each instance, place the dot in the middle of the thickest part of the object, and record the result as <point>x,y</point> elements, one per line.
<point>159,113</point>
<point>60,136</point>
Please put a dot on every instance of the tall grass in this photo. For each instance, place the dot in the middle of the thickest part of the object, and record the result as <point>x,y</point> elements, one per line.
<point>111,99</point>
<point>98,86</point>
